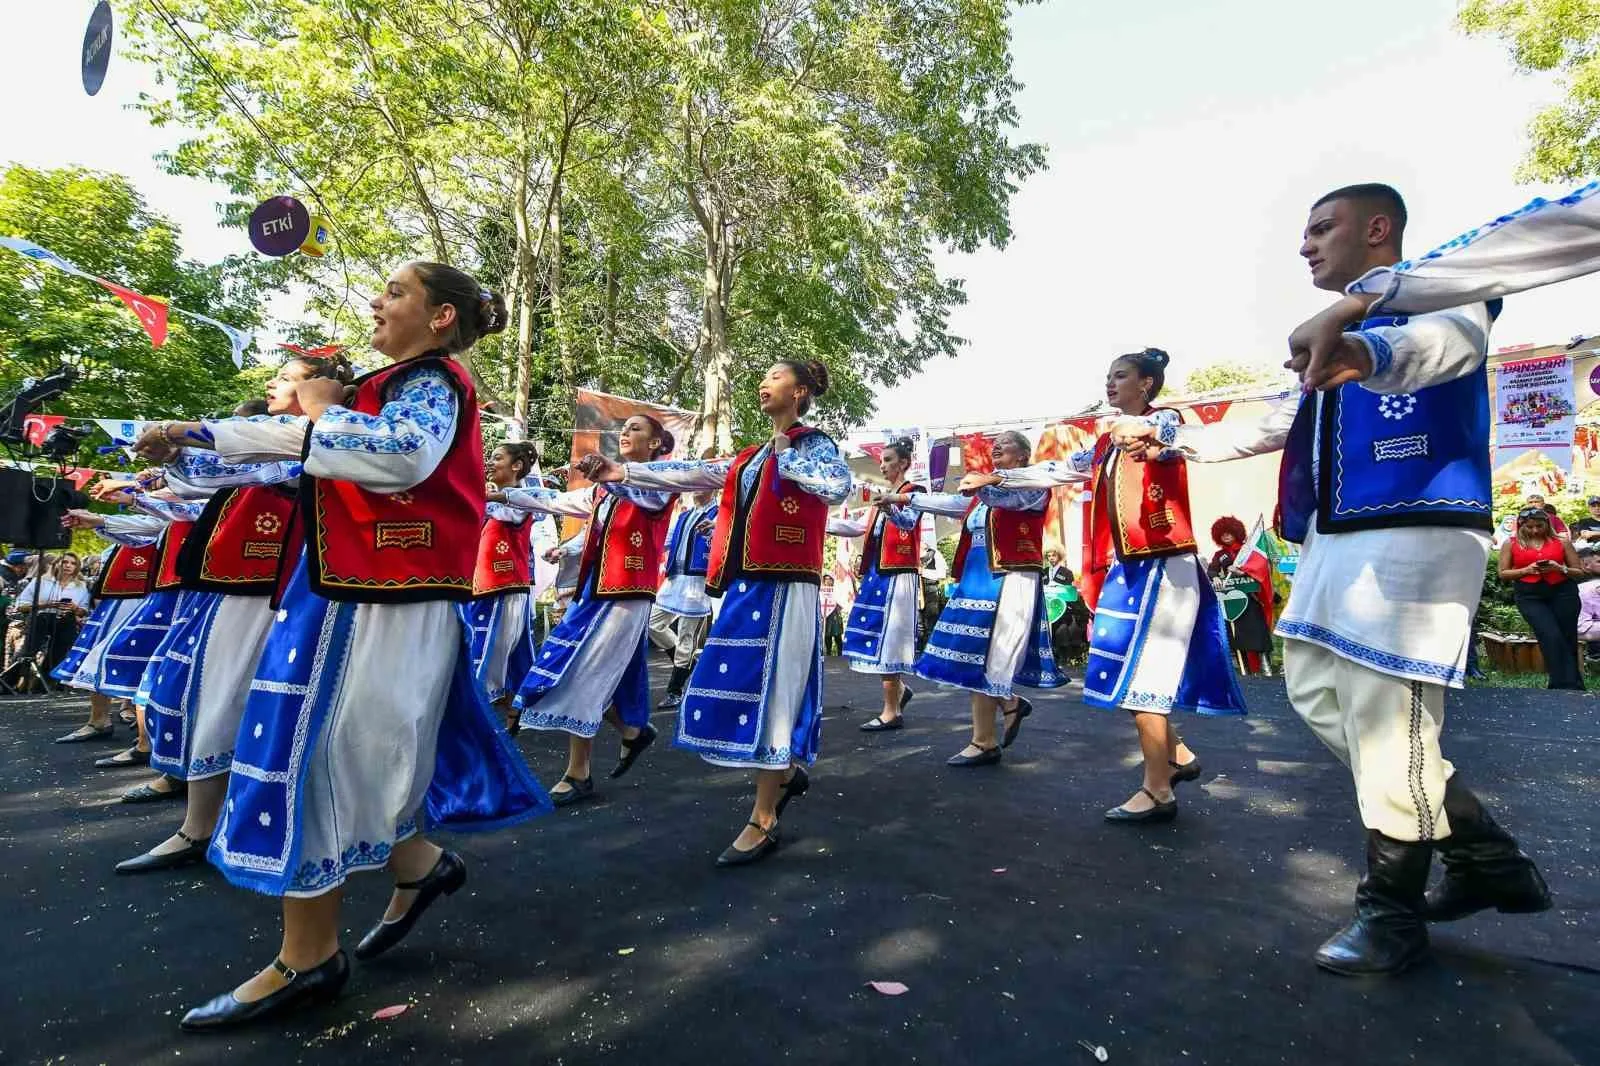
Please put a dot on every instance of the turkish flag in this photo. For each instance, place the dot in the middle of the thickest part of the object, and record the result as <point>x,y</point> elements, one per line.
<point>36,427</point>
<point>151,310</point>
<point>1089,425</point>
<point>1212,412</point>
<point>80,476</point>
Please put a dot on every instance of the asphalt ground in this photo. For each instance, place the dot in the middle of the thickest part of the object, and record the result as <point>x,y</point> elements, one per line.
<point>1026,929</point>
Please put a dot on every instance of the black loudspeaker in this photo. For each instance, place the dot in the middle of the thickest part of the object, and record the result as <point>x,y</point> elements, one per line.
<point>31,509</point>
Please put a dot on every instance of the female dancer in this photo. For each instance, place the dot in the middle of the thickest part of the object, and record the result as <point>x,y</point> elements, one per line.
<point>364,723</point>
<point>994,632</point>
<point>682,607</point>
<point>500,614</point>
<point>1159,633</point>
<point>119,591</point>
<point>881,637</point>
<point>203,668</point>
<point>592,665</point>
<point>755,697</point>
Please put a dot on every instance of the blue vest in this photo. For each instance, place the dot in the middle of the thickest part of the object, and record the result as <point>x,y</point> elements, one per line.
<point>1404,459</point>
<point>689,552</point>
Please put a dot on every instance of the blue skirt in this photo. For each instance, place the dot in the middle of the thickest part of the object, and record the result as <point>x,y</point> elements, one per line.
<point>881,634</point>
<point>977,629</point>
<point>595,658</point>
<point>486,620</point>
<point>755,696</point>
<point>105,619</point>
<point>130,648</point>
<point>1159,641</point>
<point>356,735</point>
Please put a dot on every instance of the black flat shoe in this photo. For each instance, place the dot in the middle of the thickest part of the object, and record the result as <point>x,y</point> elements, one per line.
<point>1161,812</point>
<point>193,851</point>
<point>797,785</point>
<point>88,732</point>
<point>447,875</point>
<point>632,749</point>
<point>309,986</point>
<point>769,843</point>
<point>131,757</point>
<point>1190,771</point>
<point>580,791</point>
<point>878,725</point>
<point>983,758</point>
<point>1014,726</point>
<point>147,794</point>
<point>905,695</point>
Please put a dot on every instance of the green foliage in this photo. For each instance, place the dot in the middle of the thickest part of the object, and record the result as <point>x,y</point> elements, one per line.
<point>1560,36</point>
<point>1220,376</point>
<point>47,317</point>
<point>670,197</point>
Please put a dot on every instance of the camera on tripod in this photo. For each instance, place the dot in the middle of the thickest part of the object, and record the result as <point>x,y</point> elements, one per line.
<point>31,505</point>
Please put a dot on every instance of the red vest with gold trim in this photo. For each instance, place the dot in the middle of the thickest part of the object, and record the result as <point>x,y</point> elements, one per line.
<point>167,551</point>
<point>778,531</point>
<point>1139,511</point>
<point>238,541</point>
<point>401,547</point>
<point>1016,540</point>
<point>503,550</point>
<point>897,551</point>
<point>624,550</point>
<point>127,574</point>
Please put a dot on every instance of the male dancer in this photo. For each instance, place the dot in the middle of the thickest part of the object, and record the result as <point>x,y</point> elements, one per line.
<point>1385,480</point>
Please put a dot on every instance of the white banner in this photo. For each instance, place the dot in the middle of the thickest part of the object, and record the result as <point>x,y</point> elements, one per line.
<point>1535,410</point>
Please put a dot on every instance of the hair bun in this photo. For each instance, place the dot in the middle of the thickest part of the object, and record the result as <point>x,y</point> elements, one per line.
<point>1157,356</point>
<point>819,374</point>
<point>491,313</point>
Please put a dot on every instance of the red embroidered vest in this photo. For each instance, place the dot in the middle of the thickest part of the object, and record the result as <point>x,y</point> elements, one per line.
<point>127,574</point>
<point>896,550</point>
<point>1139,511</point>
<point>167,551</point>
<point>238,541</point>
<point>778,531</point>
<point>401,547</point>
<point>625,550</point>
<point>1016,540</point>
<point>503,563</point>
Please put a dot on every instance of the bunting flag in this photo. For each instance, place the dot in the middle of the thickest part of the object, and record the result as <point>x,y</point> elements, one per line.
<point>36,427</point>
<point>151,310</point>
<point>1212,412</point>
<point>122,431</point>
<point>322,351</point>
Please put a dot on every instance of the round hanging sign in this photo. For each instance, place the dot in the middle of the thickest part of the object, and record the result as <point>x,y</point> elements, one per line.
<point>279,226</point>
<point>97,48</point>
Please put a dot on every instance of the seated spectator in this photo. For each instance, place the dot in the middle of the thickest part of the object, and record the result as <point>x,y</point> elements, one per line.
<point>1589,620</point>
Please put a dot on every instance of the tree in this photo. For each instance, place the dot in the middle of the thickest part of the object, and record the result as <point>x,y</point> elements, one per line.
<point>1220,376</point>
<point>670,196</point>
<point>47,317</point>
<point>1552,35</point>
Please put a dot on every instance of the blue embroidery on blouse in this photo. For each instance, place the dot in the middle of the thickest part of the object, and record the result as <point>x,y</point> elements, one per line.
<point>423,399</point>
<point>649,499</point>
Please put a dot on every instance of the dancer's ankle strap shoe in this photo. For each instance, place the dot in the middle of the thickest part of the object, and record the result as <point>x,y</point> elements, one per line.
<point>318,985</point>
<point>632,749</point>
<point>193,851</point>
<point>447,875</point>
<point>769,843</point>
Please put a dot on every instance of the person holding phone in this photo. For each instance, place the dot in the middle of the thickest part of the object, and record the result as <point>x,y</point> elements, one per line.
<point>1543,566</point>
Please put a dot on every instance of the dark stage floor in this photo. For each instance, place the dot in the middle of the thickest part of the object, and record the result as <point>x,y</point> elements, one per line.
<point>1020,921</point>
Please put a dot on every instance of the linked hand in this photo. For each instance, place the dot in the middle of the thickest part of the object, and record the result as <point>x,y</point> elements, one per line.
<point>1322,353</point>
<point>971,483</point>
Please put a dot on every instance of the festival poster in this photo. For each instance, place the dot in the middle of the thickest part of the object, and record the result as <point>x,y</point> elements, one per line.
<point>1535,418</point>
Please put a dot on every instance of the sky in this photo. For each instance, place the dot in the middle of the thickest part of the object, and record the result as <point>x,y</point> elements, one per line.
<point>1185,142</point>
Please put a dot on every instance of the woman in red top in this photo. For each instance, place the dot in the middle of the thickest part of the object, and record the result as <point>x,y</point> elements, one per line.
<point>1542,565</point>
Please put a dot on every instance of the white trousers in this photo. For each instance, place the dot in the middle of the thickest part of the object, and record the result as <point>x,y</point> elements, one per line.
<point>678,634</point>
<point>1385,729</point>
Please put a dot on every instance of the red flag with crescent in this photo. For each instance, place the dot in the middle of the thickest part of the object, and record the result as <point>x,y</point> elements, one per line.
<point>1212,412</point>
<point>36,427</point>
<point>151,310</point>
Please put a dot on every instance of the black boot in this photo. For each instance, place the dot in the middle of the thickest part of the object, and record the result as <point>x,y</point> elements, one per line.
<point>1483,867</point>
<point>675,683</point>
<point>1388,933</point>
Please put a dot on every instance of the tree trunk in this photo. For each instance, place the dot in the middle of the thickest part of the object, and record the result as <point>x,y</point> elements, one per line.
<point>716,406</point>
<point>527,297</point>
<point>569,369</point>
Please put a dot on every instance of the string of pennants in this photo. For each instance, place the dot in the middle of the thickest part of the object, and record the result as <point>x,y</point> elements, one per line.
<point>150,310</point>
